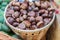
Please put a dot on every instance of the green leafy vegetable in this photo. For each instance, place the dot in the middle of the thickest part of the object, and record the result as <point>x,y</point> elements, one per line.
<point>5,28</point>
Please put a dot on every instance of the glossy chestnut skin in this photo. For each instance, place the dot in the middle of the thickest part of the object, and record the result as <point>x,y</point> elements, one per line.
<point>29,15</point>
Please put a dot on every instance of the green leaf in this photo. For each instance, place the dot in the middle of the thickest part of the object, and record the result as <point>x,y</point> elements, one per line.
<point>5,28</point>
<point>1,19</point>
<point>3,8</point>
<point>0,1</point>
<point>10,33</point>
<point>7,0</point>
<point>16,36</point>
<point>4,4</point>
<point>1,12</point>
<point>0,26</point>
<point>0,6</point>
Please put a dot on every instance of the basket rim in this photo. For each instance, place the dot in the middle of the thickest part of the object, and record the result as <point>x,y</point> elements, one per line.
<point>38,29</point>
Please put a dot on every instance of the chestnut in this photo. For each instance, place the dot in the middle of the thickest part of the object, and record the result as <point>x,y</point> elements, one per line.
<point>21,26</point>
<point>16,8</point>
<point>40,24</point>
<point>45,15</point>
<point>29,8</point>
<point>24,6</point>
<point>8,15</point>
<point>15,24</point>
<point>36,9</point>
<point>28,15</point>
<point>51,9</point>
<point>46,20</point>
<point>31,3</point>
<point>32,19</point>
<point>33,23</point>
<point>51,14</point>
<point>42,11</point>
<point>15,15</point>
<point>16,3</point>
<point>21,18</point>
<point>23,11</point>
<point>10,20</point>
<point>33,27</point>
<point>39,18</point>
<point>37,3</point>
<point>25,16</point>
<point>31,13</point>
<point>27,23</point>
<point>10,11</point>
<point>17,20</point>
<point>44,6</point>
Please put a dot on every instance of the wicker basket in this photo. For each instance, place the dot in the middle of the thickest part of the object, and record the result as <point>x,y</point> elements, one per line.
<point>37,34</point>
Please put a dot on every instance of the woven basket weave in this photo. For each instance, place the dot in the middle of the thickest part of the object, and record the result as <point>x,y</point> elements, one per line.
<point>38,35</point>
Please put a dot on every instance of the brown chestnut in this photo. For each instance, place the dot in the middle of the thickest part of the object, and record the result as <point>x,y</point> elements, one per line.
<point>47,20</point>
<point>45,15</point>
<point>23,11</point>
<point>10,11</point>
<point>15,24</point>
<point>21,26</point>
<point>36,9</point>
<point>37,3</point>
<point>15,15</point>
<point>32,19</point>
<point>51,9</point>
<point>27,23</point>
<point>33,27</point>
<point>44,6</point>
<point>16,3</point>
<point>33,23</point>
<point>42,11</point>
<point>31,13</point>
<point>21,18</point>
<point>40,24</point>
<point>39,18</point>
<point>10,20</point>
<point>25,16</point>
<point>31,3</point>
<point>17,20</point>
<point>16,8</point>
<point>24,6</point>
